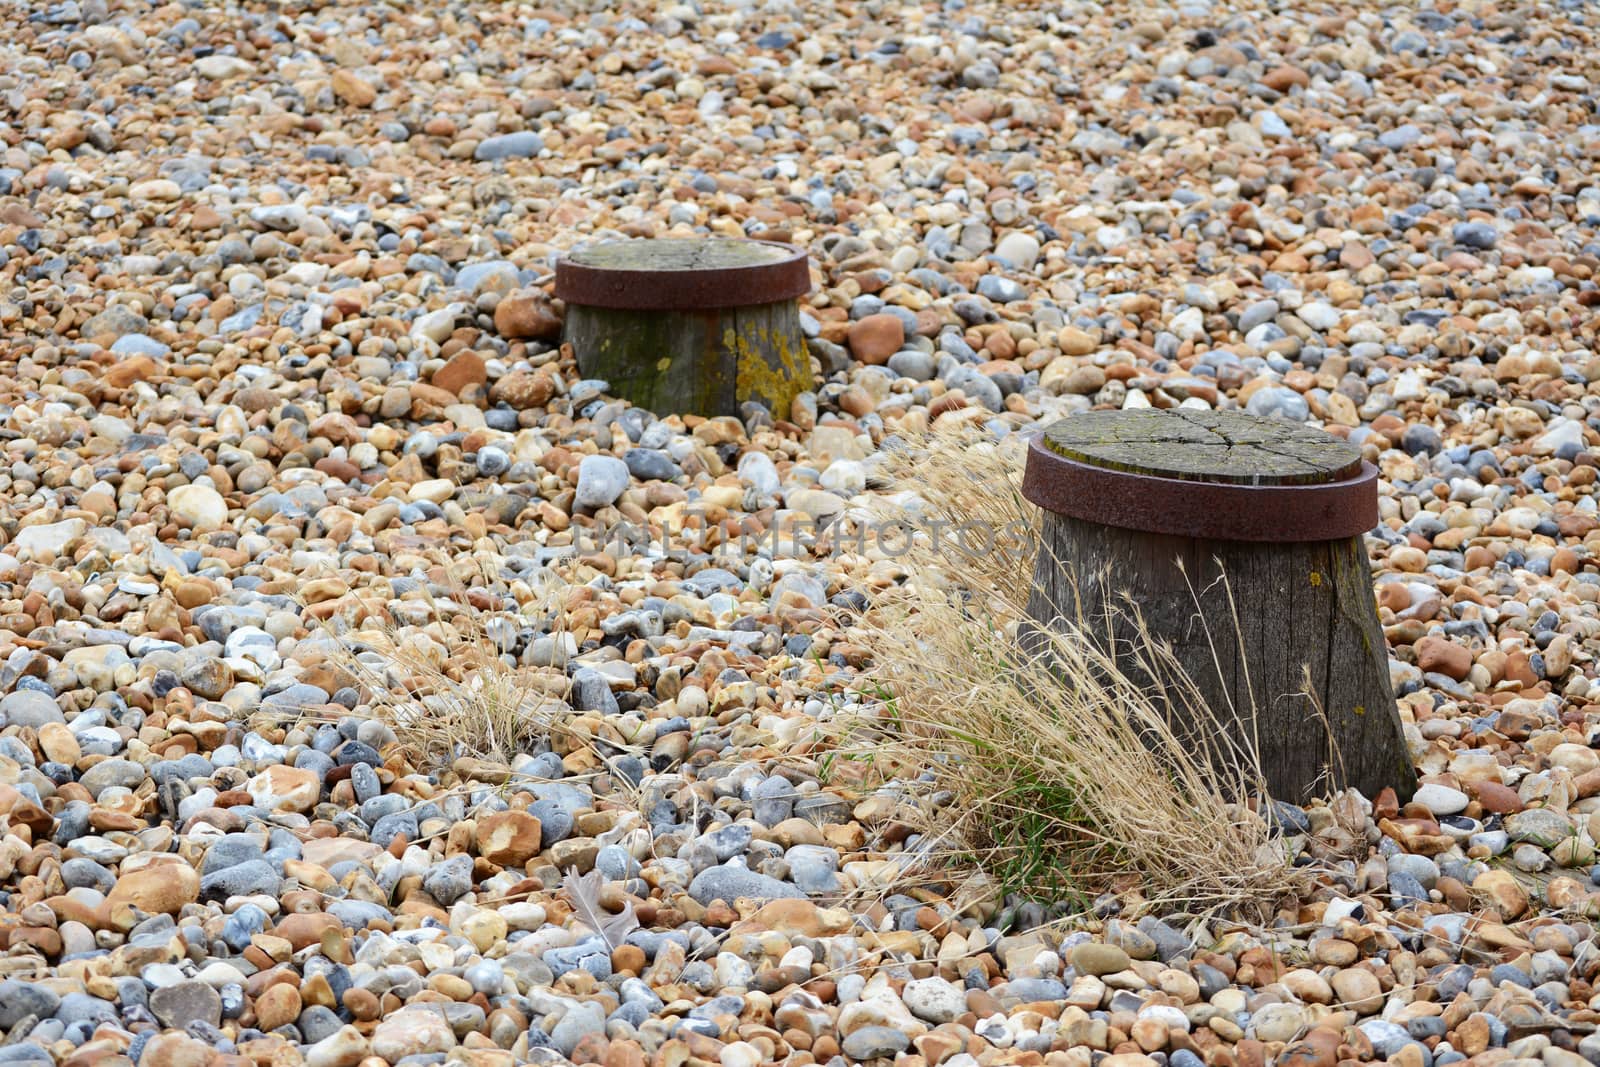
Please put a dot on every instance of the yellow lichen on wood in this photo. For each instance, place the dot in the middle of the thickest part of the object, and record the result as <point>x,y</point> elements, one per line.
<point>758,379</point>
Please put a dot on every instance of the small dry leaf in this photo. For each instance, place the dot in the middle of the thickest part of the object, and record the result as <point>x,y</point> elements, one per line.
<point>584,893</point>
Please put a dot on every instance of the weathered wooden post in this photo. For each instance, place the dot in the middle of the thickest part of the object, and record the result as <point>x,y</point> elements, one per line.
<point>690,326</point>
<point>1238,539</point>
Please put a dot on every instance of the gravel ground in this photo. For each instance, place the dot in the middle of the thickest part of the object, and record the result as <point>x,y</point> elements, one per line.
<point>276,345</point>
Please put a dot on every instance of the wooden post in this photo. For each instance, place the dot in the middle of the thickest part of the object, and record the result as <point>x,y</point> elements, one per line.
<point>1239,540</point>
<point>696,327</point>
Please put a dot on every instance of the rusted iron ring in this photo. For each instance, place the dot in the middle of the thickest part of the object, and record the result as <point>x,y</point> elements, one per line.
<point>1218,511</point>
<point>675,281</point>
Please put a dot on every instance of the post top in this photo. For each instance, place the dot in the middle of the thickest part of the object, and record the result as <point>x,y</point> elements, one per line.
<point>1226,447</point>
<point>681,253</point>
<point>683,274</point>
<point>1206,474</point>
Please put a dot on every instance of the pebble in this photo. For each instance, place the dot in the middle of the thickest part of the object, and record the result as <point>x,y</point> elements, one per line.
<point>181,1005</point>
<point>875,338</point>
<point>601,479</point>
<point>199,507</point>
<point>873,1042</point>
<point>1441,799</point>
<point>934,1000</point>
<point>1021,250</point>
<point>520,145</point>
<point>1097,959</point>
<point>729,884</point>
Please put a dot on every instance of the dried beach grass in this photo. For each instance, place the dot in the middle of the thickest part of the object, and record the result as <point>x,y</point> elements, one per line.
<point>1062,776</point>
<point>967,487</point>
<point>451,689</point>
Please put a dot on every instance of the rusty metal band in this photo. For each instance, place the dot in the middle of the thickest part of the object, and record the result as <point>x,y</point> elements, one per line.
<point>686,290</point>
<point>1211,510</point>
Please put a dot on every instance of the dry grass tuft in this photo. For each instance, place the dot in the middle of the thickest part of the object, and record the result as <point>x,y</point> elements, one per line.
<point>1063,776</point>
<point>967,486</point>
<point>450,689</point>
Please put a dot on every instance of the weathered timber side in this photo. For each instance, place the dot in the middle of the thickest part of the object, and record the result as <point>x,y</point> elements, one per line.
<point>1254,627</point>
<point>695,362</point>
